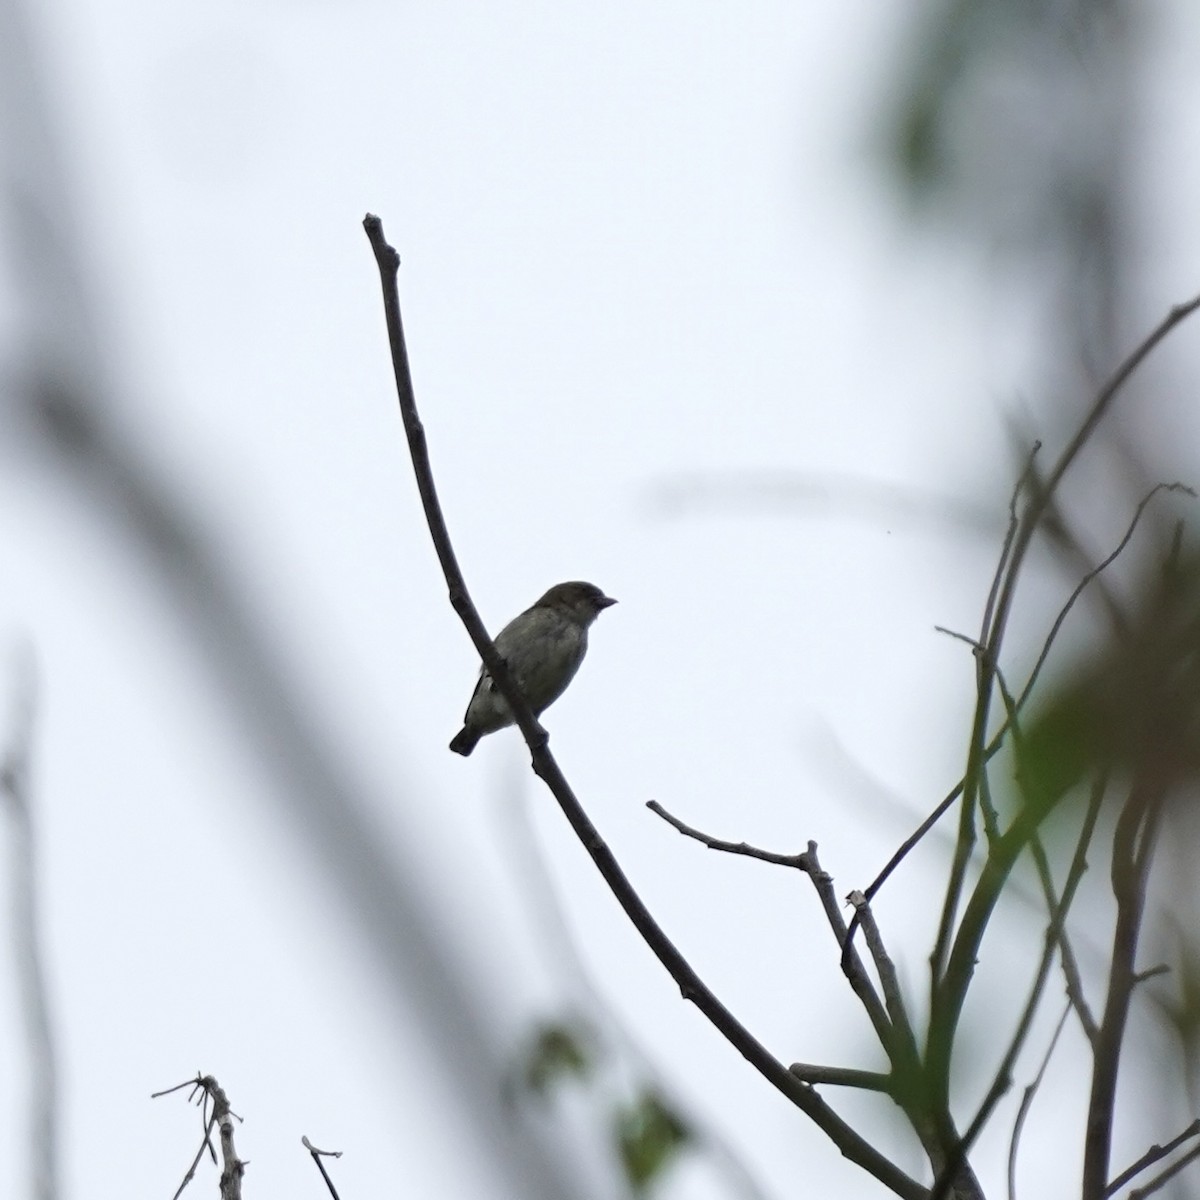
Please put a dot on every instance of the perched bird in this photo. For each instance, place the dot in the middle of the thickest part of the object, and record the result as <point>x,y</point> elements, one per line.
<point>543,648</point>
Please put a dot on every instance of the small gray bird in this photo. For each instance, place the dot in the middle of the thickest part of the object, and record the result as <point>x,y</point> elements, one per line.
<point>543,648</point>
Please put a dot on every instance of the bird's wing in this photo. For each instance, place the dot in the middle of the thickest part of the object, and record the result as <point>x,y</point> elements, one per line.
<point>484,684</point>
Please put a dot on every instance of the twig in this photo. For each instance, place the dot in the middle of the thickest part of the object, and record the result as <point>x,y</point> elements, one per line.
<point>1166,1176</point>
<point>1010,535</point>
<point>317,1155</point>
<point>905,847</point>
<point>222,1117</point>
<point>871,1081</point>
<point>851,1143</point>
<point>1088,578</point>
<point>1070,966</point>
<point>1027,1103</point>
<point>889,981</point>
<point>205,1144</point>
<point>1155,1154</point>
<point>800,861</point>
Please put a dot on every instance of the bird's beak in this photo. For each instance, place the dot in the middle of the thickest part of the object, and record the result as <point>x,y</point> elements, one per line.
<point>605,602</point>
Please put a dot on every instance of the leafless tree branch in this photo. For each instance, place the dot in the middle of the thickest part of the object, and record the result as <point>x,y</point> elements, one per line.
<point>848,1140</point>
<point>1026,1104</point>
<point>1155,1154</point>
<point>317,1155</point>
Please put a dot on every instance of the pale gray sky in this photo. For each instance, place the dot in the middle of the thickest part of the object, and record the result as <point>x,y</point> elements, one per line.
<point>639,242</point>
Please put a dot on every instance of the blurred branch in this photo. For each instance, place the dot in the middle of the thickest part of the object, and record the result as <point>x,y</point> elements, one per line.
<point>851,1144</point>
<point>27,944</point>
<point>68,391</point>
<point>791,492</point>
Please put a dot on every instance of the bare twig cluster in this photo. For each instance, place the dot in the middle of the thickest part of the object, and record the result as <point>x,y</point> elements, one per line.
<point>215,1113</point>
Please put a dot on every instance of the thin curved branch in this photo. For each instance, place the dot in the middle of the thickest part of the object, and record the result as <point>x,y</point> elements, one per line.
<point>1026,1104</point>
<point>1165,1176</point>
<point>692,987</point>
<point>1155,1154</point>
<point>1091,575</point>
<point>870,1081</point>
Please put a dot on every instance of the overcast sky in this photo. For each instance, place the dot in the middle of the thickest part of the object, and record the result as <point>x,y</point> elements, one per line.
<point>642,245</point>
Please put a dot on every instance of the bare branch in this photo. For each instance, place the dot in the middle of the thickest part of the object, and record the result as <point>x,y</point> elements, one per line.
<point>1166,1176</point>
<point>1155,1154</point>
<point>317,1155</point>
<point>851,1143</point>
<point>889,981</point>
<point>800,861</point>
<point>1027,1103</point>
<point>871,1081</point>
<point>190,1174</point>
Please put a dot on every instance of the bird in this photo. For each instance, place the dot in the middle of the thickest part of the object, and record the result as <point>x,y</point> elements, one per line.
<point>543,648</point>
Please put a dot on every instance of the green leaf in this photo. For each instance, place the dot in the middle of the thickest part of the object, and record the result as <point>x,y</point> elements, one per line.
<point>649,1135</point>
<point>558,1051</point>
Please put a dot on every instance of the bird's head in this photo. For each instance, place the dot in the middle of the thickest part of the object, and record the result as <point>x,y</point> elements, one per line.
<point>582,602</point>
